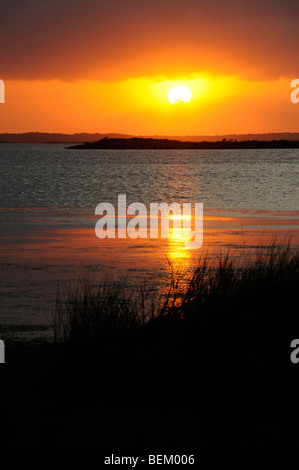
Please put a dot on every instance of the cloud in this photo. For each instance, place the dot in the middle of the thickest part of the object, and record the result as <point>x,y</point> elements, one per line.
<point>95,39</point>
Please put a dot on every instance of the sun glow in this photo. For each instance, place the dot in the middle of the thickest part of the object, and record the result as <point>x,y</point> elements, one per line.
<point>179,93</point>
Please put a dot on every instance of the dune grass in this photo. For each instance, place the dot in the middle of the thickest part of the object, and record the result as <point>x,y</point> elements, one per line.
<point>254,285</point>
<point>272,271</point>
<point>85,311</point>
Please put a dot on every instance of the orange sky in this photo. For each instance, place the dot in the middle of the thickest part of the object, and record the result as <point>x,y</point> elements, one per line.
<point>94,66</point>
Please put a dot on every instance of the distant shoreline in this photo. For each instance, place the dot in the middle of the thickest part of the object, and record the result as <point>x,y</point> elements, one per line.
<point>166,144</point>
<point>83,137</point>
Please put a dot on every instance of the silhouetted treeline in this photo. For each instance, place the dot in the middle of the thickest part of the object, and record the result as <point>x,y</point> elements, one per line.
<point>157,144</point>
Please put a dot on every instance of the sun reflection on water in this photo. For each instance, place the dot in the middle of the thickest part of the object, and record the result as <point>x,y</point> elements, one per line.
<point>177,252</point>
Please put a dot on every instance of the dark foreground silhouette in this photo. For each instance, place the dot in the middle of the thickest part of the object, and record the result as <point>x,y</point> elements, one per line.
<point>158,144</point>
<point>212,369</point>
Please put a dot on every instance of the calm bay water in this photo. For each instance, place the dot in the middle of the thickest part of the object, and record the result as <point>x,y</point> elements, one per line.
<point>51,176</point>
<point>49,194</point>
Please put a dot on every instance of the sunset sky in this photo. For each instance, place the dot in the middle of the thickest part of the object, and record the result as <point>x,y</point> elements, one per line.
<point>107,66</point>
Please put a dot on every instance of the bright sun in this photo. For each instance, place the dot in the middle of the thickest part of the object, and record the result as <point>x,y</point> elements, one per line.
<point>179,93</point>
